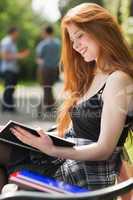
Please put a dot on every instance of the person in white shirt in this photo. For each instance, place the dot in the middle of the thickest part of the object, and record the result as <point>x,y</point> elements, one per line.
<point>9,66</point>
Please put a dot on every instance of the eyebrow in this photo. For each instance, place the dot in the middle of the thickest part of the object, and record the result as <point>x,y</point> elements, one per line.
<point>76,32</point>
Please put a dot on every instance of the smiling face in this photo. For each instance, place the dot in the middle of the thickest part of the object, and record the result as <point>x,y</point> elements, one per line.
<point>83,43</point>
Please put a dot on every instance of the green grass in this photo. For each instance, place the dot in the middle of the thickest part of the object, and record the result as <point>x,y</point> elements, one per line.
<point>27,83</point>
<point>21,83</point>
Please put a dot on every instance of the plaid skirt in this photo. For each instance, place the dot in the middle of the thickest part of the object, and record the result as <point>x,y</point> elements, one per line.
<point>89,174</point>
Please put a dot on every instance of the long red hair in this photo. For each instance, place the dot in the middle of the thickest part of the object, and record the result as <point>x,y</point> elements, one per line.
<point>78,74</point>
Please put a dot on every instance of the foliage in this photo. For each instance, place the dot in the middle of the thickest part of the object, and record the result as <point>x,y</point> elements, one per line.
<point>129,146</point>
<point>127,20</point>
<point>113,6</point>
<point>122,9</point>
<point>20,14</point>
<point>65,5</point>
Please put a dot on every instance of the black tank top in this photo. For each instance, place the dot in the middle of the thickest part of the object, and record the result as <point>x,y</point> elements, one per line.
<point>86,118</point>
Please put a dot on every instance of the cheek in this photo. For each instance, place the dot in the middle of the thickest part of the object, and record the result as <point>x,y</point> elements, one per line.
<point>92,46</point>
<point>92,52</point>
<point>84,41</point>
<point>93,49</point>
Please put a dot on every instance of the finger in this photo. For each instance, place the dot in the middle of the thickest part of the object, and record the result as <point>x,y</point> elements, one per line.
<point>22,138</point>
<point>44,136</point>
<point>21,130</point>
<point>38,129</point>
<point>17,134</point>
<point>24,132</point>
<point>40,132</point>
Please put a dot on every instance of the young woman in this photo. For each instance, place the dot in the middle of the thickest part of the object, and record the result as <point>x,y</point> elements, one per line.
<point>98,73</point>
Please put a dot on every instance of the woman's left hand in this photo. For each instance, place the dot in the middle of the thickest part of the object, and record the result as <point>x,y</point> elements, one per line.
<point>44,143</point>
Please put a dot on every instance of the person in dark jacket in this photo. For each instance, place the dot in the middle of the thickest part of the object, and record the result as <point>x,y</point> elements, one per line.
<point>47,57</point>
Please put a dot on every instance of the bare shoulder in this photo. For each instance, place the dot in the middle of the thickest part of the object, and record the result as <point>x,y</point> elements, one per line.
<point>120,76</point>
<point>118,81</point>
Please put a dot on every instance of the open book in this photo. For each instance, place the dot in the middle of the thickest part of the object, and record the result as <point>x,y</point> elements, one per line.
<point>7,136</point>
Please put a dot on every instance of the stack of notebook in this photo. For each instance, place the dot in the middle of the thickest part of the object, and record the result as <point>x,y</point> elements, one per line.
<point>31,180</point>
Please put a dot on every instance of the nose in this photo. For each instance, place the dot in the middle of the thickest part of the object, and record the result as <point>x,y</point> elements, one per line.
<point>76,45</point>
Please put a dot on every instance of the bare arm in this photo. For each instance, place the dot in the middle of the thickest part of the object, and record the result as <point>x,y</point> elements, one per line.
<point>117,103</point>
<point>115,108</point>
<point>39,61</point>
<point>7,55</point>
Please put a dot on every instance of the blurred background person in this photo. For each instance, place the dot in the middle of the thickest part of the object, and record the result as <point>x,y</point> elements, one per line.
<point>9,66</point>
<point>48,55</point>
<point>39,60</point>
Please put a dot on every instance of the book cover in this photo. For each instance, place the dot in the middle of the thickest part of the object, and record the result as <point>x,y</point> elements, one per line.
<point>8,137</point>
<point>34,180</point>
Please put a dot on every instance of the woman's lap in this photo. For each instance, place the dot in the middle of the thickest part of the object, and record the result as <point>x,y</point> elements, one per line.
<point>69,171</point>
<point>86,174</point>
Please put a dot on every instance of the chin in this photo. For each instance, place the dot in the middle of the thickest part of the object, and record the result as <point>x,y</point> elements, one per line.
<point>89,59</point>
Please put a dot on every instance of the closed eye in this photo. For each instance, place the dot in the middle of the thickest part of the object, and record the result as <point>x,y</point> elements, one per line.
<point>78,36</point>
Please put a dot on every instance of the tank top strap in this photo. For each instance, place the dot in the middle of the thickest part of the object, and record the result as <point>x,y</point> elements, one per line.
<point>100,91</point>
